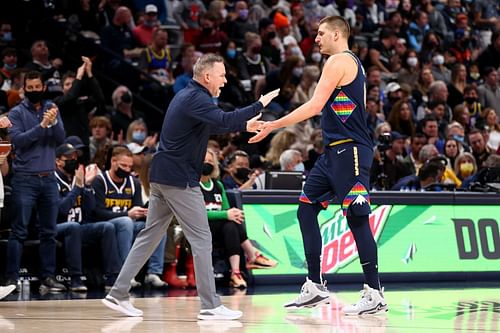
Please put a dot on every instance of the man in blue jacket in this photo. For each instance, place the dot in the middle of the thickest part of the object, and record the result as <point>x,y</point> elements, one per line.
<point>37,129</point>
<point>175,173</point>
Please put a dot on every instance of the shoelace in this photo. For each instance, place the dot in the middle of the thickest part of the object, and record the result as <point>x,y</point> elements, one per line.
<point>364,298</point>
<point>303,292</point>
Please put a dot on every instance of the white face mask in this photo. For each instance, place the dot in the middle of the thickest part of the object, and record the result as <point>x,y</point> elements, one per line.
<point>316,57</point>
<point>412,61</point>
<point>438,59</point>
<point>297,71</point>
<point>299,167</point>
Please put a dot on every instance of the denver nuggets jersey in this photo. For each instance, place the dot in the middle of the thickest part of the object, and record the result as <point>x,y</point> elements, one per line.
<point>113,200</point>
<point>75,203</point>
<point>343,116</point>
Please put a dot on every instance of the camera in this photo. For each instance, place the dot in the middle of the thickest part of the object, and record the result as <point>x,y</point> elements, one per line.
<point>385,141</point>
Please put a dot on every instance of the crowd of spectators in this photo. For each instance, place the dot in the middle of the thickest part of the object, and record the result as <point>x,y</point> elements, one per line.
<point>432,98</point>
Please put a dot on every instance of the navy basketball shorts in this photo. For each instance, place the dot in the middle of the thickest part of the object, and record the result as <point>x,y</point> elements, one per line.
<point>342,173</point>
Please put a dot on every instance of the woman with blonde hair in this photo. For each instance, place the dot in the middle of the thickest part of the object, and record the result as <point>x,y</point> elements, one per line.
<point>137,132</point>
<point>465,165</point>
<point>282,141</point>
<point>491,123</point>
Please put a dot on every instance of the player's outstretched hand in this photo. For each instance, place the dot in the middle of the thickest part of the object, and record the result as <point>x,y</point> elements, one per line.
<point>267,98</point>
<point>254,124</point>
<point>262,132</point>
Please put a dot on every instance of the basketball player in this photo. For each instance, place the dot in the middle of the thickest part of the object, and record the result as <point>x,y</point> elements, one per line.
<point>344,169</point>
<point>175,173</point>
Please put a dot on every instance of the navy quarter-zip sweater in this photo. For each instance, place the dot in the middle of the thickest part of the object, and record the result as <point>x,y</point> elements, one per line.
<point>191,117</point>
<point>34,146</point>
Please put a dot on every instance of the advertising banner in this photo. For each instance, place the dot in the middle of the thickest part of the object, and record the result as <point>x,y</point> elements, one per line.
<point>410,238</point>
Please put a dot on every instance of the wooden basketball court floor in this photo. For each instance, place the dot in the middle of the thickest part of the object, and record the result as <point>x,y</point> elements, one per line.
<point>421,309</point>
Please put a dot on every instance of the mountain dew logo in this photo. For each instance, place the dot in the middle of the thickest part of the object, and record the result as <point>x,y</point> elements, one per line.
<point>339,247</point>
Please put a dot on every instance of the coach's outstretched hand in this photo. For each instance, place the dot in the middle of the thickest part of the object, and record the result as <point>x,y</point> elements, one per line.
<point>267,98</point>
<point>262,132</point>
<point>254,124</point>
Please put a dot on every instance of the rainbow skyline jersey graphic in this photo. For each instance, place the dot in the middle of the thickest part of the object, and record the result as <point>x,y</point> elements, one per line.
<point>343,116</point>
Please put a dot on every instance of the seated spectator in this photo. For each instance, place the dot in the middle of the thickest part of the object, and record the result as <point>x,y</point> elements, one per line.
<point>438,110</point>
<point>489,91</point>
<point>490,57</point>
<point>417,29</point>
<point>290,160</point>
<point>456,88</point>
<point>388,166</point>
<point>252,66</point>
<point>370,16</point>
<point>493,161</point>
<point>239,175</point>
<point>429,174</point>
<point>186,75</point>
<point>137,132</point>
<point>100,129</point>
<point>427,152</point>
<point>123,111</point>
<point>117,36</point>
<point>119,201</point>
<point>270,45</point>
<point>465,166</point>
<point>401,118</point>
<point>76,202</point>
<point>471,103</point>
<point>452,148</point>
<point>430,128</point>
<point>479,148</point>
<point>462,117</point>
<point>50,69</point>
<point>439,69</point>
<point>382,52</point>
<point>410,70</point>
<point>280,142</point>
<point>306,86</point>
<point>143,33</point>
<point>9,61</point>
<point>412,160</point>
<point>493,127</point>
<point>211,38</point>
<point>226,224</point>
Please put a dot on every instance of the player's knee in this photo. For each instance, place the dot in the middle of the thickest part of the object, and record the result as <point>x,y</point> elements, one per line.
<point>357,221</point>
<point>306,211</point>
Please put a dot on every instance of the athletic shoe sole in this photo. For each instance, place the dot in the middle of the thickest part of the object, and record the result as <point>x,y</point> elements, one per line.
<point>206,315</point>
<point>7,290</point>
<point>113,306</point>
<point>380,308</point>
<point>308,306</point>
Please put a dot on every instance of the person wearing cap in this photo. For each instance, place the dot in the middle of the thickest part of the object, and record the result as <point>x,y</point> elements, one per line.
<point>143,33</point>
<point>388,168</point>
<point>37,129</point>
<point>138,151</point>
<point>74,228</point>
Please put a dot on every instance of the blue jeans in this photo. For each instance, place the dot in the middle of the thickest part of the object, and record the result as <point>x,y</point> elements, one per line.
<point>71,235</point>
<point>104,234</point>
<point>157,259</point>
<point>28,192</point>
<point>124,233</point>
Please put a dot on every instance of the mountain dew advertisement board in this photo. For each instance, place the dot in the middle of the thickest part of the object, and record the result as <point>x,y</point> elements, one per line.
<point>410,238</point>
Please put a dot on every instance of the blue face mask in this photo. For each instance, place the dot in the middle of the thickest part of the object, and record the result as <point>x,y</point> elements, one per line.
<point>299,167</point>
<point>138,136</point>
<point>7,36</point>
<point>231,53</point>
<point>10,67</point>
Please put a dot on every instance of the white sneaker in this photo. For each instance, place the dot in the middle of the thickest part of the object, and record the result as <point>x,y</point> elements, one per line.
<point>155,281</point>
<point>124,307</point>
<point>219,313</point>
<point>311,295</point>
<point>4,291</point>
<point>134,283</point>
<point>371,302</point>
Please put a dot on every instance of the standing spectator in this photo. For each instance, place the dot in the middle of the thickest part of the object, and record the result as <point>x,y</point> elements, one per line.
<point>37,129</point>
<point>143,33</point>
<point>270,45</point>
<point>486,19</point>
<point>187,14</point>
<point>418,29</point>
<point>75,106</point>
<point>489,91</point>
<point>101,130</point>
<point>436,19</point>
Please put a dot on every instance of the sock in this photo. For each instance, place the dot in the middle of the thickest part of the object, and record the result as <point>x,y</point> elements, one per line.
<point>367,249</point>
<point>311,236</point>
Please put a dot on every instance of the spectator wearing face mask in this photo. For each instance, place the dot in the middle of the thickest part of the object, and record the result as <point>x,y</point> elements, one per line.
<point>123,113</point>
<point>410,69</point>
<point>239,175</point>
<point>137,132</point>
<point>238,24</point>
<point>143,33</point>
<point>211,38</point>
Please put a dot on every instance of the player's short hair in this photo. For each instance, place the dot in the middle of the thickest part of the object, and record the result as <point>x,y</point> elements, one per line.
<point>205,62</point>
<point>337,22</point>
<point>121,150</point>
